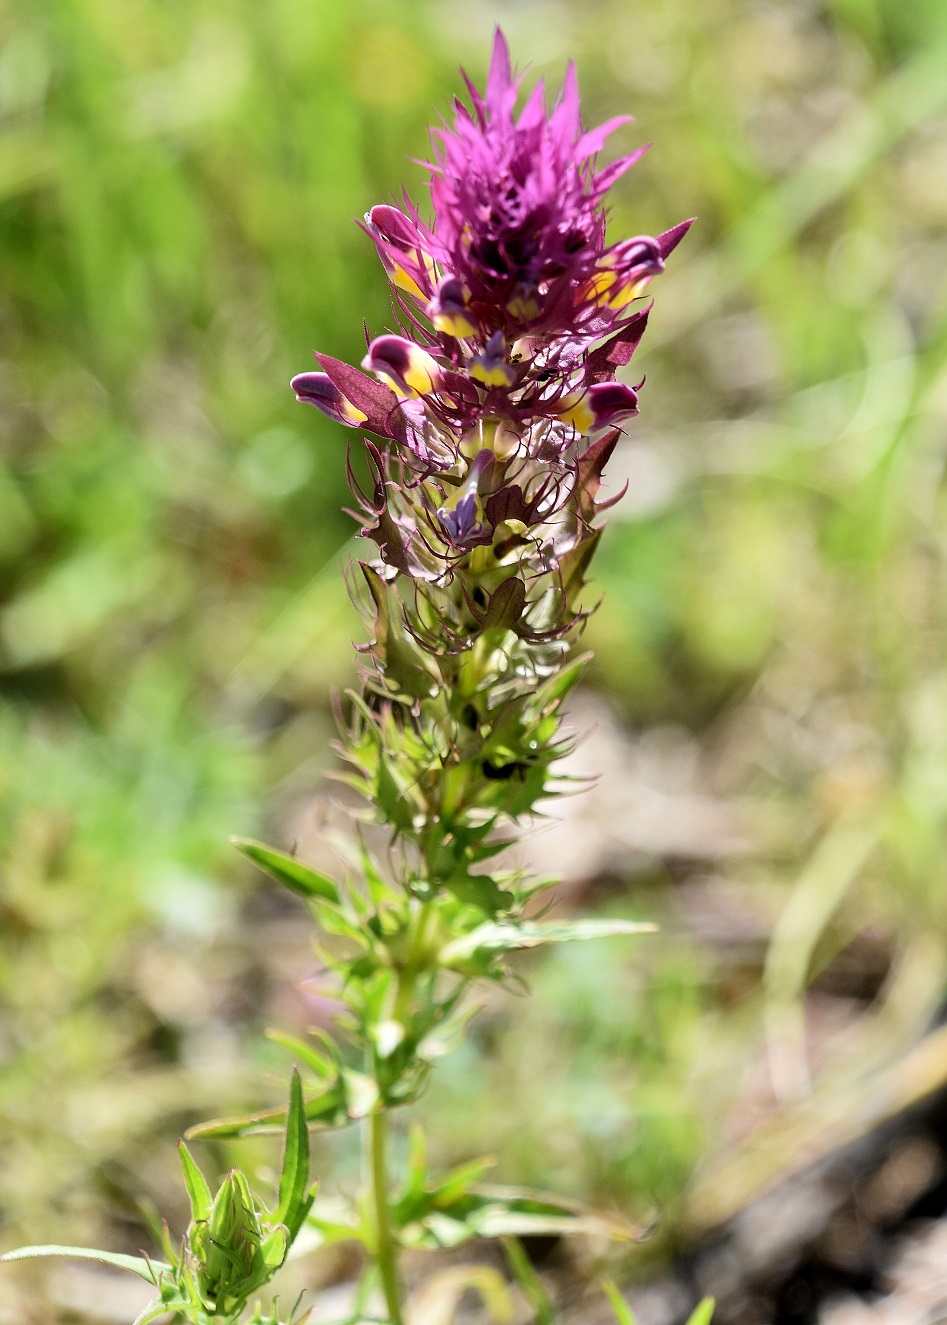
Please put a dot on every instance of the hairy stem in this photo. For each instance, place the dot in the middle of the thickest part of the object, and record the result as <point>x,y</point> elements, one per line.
<point>385,1251</point>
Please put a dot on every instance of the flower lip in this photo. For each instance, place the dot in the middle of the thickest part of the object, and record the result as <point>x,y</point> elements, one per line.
<point>411,370</point>
<point>460,522</point>
<point>317,389</point>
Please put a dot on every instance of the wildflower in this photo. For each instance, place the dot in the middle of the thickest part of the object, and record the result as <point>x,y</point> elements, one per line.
<point>399,243</point>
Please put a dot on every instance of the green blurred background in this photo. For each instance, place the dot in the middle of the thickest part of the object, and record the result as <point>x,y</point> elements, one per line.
<point>768,704</point>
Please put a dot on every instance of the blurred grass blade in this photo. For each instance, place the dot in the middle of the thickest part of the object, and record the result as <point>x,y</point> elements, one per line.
<point>528,1280</point>
<point>702,1313</point>
<point>437,1299</point>
<point>623,1312</point>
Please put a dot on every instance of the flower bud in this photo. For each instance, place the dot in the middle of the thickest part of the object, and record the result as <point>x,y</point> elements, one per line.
<point>624,272</point>
<point>317,389</point>
<point>601,404</point>
<point>448,309</point>
<point>227,1246</point>
<point>399,247</point>
<point>409,369</point>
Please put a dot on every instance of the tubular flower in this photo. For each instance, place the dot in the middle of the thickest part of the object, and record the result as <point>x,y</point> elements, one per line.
<point>318,389</point>
<point>449,309</point>
<point>601,406</point>
<point>399,245</point>
<point>411,370</point>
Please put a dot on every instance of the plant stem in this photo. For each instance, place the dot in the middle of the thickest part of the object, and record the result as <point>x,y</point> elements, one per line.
<point>385,1251</point>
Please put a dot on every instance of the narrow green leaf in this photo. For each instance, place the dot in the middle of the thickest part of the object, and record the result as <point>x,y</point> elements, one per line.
<point>459,1181</point>
<point>298,877</point>
<point>325,1109</point>
<point>145,1269</point>
<point>702,1313</point>
<point>196,1184</point>
<point>306,1053</point>
<point>558,686</point>
<point>497,936</point>
<point>623,1312</point>
<point>294,1202</point>
<point>155,1310</point>
<point>528,1280</point>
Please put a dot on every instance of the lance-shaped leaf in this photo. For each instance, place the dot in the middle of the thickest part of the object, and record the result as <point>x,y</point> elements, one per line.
<point>293,873</point>
<point>622,1309</point>
<point>403,660</point>
<point>529,1281</point>
<point>499,936</point>
<point>294,1196</point>
<point>553,691</point>
<point>702,1313</point>
<point>196,1184</point>
<point>145,1269</point>
<point>589,467</point>
<point>497,1211</point>
<point>321,1064</point>
<point>326,1109</point>
<point>573,566</point>
<point>506,606</point>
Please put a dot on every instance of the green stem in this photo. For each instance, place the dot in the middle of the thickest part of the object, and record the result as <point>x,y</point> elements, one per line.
<point>385,1251</point>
